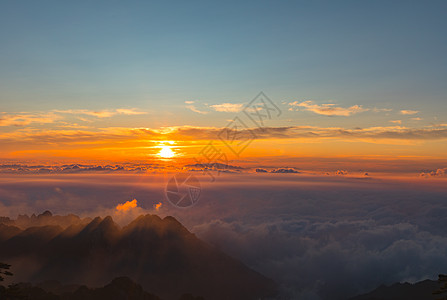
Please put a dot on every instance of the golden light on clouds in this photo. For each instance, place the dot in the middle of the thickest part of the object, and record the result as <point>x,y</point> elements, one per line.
<point>157,206</point>
<point>126,206</point>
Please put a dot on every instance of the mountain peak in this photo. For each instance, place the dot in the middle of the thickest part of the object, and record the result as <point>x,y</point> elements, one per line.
<point>153,223</point>
<point>145,221</point>
<point>108,224</point>
<point>46,213</point>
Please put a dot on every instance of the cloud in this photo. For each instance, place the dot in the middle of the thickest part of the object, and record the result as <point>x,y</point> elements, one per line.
<point>194,109</point>
<point>409,112</point>
<point>127,205</point>
<point>22,168</point>
<point>228,107</point>
<point>396,121</point>
<point>157,206</point>
<point>369,133</point>
<point>102,113</point>
<point>339,238</point>
<point>23,119</point>
<point>438,173</point>
<point>284,170</point>
<point>327,236</point>
<point>129,111</point>
<point>417,119</point>
<point>341,172</point>
<point>30,118</point>
<point>192,133</point>
<point>329,109</point>
<point>189,102</point>
<point>375,109</point>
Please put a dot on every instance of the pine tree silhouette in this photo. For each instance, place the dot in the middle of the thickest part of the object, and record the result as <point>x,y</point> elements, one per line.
<point>442,291</point>
<point>4,271</point>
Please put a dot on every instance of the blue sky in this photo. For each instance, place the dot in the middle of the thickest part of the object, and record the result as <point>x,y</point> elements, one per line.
<point>154,55</point>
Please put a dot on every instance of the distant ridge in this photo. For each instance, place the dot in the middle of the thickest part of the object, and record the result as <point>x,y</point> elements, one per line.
<point>121,288</point>
<point>402,291</point>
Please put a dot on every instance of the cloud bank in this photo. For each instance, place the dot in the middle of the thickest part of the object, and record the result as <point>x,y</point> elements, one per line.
<point>189,133</point>
<point>320,237</point>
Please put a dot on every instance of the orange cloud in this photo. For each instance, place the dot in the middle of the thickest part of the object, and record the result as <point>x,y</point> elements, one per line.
<point>118,143</point>
<point>157,206</point>
<point>126,206</point>
<point>227,107</point>
<point>23,119</point>
<point>102,113</point>
<point>437,173</point>
<point>27,118</point>
<point>329,109</point>
<point>190,133</point>
<point>408,112</point>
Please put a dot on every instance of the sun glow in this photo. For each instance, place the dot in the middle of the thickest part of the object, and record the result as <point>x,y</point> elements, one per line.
<point>166,152</point>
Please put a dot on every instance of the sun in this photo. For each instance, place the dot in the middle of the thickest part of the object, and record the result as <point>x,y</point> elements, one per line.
<point>166,152</point>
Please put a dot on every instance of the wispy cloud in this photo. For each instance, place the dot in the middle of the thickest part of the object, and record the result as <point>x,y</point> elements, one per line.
<point>329,109</point>
<point>102,113</point>
<point>38,117</point>
<point>396,121</point>
<point>191,106</point>
<point>130,111</point>
<point>408,112</point>
<point>23,119</point>
<point>195,109</point>
<point>375,109</point>
<point>228,107</point>
<point>190,133</point>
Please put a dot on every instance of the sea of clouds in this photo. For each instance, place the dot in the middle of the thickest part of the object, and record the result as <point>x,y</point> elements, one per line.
<point>319,237</point>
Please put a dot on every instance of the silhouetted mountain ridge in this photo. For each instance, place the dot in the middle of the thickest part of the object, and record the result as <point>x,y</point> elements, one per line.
<point>45,218</point>
<point>402,291</point>
<point>160,254</point>
<point>121,288</point>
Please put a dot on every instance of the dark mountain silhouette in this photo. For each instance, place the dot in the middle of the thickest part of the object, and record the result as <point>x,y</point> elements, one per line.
<point>160,254</point>
<point>121,288</point>
<point>402,291</point>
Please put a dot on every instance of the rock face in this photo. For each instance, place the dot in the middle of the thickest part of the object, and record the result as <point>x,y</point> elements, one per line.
<point>160,254</point>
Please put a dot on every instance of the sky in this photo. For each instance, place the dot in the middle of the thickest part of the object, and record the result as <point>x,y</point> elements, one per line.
<point>78,80</point>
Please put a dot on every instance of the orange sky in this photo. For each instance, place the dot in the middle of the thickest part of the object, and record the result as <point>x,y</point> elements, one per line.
<point>251,134</point>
